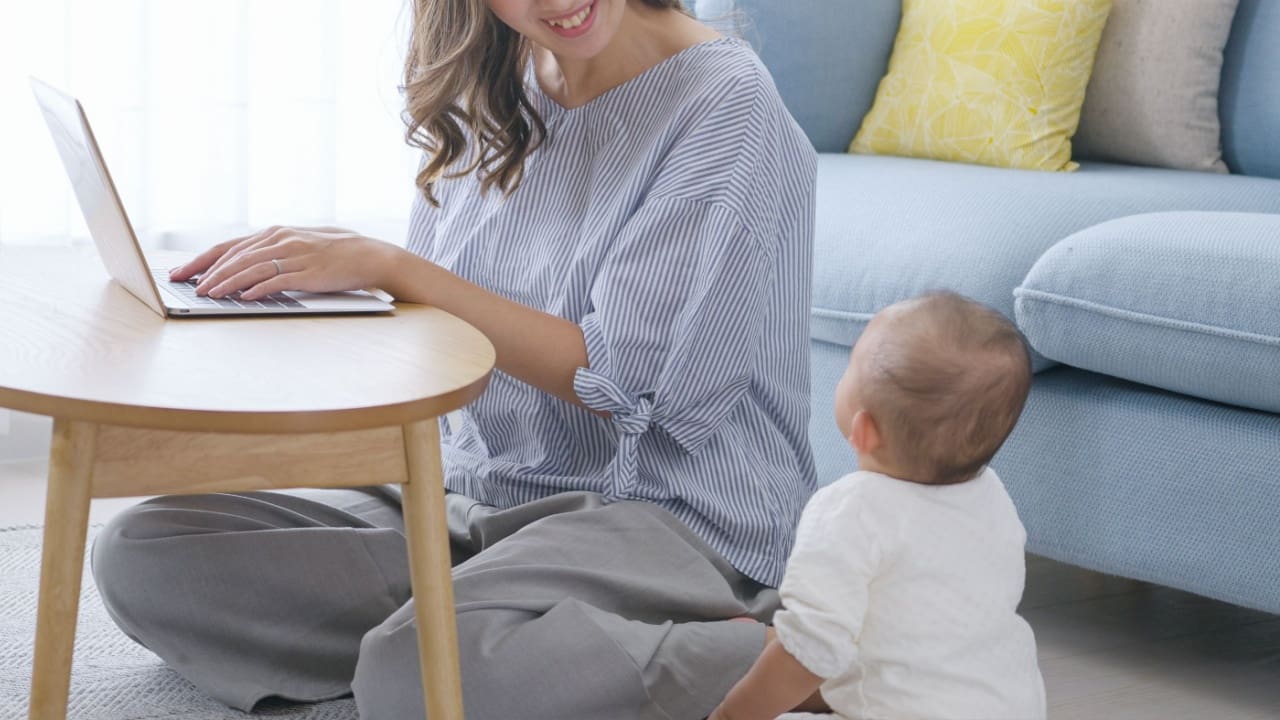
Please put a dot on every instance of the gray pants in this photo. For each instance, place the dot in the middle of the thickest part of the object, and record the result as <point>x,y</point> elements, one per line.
<point>568,609</point>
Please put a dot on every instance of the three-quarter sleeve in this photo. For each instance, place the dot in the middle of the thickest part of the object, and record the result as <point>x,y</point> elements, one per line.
<point>674,325</point>
<point>824,592</point>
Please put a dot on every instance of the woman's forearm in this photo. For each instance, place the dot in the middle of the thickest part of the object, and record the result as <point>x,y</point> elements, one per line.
<point>535,347</point>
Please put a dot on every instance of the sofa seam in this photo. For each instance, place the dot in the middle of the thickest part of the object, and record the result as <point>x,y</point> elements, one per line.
<point>1147,318</point>
<point>833,314</point>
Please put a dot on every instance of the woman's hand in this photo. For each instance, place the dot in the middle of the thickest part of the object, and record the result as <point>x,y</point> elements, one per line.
<point>317,259</point>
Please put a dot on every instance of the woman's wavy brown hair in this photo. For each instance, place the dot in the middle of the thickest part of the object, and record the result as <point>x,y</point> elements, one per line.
<point>464,80</point>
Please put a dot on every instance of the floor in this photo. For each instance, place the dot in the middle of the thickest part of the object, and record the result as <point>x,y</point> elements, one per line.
<point>1109,647</point>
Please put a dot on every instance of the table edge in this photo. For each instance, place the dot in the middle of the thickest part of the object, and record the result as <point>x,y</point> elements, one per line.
<point>247,422</point>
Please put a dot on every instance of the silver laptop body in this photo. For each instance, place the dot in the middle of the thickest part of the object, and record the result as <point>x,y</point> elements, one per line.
<point>118,245</point>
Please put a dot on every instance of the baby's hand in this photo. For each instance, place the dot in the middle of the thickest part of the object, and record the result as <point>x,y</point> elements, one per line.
<point>776,684</point>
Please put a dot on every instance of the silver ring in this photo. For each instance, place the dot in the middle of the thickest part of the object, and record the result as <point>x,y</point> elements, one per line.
<point>277,264</point>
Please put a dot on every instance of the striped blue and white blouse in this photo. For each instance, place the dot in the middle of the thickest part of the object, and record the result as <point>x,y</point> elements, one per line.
<point>672,219</point>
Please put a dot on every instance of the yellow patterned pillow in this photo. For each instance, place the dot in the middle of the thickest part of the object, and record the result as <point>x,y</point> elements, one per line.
<point>995,82</point>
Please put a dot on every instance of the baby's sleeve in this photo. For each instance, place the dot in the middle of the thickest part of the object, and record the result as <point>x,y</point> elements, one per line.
<point>824,591</point>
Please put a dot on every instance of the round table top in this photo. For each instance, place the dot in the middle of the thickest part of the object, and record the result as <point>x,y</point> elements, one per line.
<point>74,344</point>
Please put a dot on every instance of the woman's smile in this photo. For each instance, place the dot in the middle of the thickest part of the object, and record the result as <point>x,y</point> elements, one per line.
<point>575,23</point>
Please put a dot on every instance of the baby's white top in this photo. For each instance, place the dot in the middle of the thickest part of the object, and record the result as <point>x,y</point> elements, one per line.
<point>903,597</point>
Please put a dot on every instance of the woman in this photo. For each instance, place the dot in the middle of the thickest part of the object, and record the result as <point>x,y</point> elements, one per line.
<point>615,195</point>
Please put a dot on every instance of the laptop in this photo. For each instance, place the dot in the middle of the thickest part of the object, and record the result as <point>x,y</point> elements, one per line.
<point>118,246</point>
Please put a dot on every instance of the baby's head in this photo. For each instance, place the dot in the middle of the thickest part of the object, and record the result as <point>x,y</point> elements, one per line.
<point>934,386</point>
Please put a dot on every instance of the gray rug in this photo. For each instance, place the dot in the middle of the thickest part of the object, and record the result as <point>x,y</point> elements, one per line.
<point>112,677</point>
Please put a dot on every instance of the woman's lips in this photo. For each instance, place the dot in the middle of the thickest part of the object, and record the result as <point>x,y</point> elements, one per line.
<point>575,23</point>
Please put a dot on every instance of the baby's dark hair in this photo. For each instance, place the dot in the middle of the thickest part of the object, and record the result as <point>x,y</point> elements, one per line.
<point>947,383</point>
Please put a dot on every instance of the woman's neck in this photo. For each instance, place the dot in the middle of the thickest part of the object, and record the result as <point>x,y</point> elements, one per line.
<point>645,37</point>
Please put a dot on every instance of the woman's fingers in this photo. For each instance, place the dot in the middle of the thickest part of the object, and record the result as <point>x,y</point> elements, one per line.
<point>244,279</point>
<point>241,256</point>
<point>274,284</point>
<point>220,270</point>
<point>220,276</point>
<point>202,261</point>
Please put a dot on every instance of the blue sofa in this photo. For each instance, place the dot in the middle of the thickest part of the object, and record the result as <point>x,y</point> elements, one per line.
<point>1150,445</point>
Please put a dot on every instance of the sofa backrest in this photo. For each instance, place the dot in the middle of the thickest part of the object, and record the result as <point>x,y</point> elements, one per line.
<point>826,56</point>
<point>1249,102</point>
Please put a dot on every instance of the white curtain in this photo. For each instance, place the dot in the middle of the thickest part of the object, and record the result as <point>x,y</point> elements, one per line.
<point>215,118</point>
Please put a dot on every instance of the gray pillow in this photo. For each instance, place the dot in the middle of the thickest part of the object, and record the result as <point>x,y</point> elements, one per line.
<point>1153,96</point>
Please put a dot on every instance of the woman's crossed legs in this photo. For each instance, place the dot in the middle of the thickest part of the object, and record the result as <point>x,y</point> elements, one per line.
<point>567,608</point>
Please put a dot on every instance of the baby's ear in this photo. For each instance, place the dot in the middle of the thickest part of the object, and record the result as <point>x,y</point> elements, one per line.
<point>864,433</point>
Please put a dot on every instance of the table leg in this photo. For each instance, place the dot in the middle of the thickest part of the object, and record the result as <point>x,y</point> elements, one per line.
<point>66,520</point>
<point>430,572</point>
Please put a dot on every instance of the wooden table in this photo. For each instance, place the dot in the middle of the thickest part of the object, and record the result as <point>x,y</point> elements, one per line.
<point>148,406</point>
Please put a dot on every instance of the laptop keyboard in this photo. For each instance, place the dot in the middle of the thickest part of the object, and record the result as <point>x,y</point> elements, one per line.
<point>187,290</point>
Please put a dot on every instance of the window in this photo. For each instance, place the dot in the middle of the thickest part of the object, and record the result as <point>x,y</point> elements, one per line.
<point>215,118</point>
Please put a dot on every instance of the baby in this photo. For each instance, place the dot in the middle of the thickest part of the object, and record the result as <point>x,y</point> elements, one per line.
<point>900,596</point>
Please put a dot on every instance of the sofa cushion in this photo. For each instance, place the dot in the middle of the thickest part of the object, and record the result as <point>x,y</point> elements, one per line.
<point>1250,96</point>
<point>1153,96</point>
<point>1188,302</point>
<point>889,228</point>
<point>991,82</point>
<point>826,56</point>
